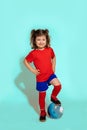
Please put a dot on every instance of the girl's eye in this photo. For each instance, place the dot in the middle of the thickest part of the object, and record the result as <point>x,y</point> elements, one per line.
<point>38,39</point>
<point>43,39</point>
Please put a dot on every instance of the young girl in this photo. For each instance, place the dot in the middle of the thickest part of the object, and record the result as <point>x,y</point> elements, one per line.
<point>44,61</point>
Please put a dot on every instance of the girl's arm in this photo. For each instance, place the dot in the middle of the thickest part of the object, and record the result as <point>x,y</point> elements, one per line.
<point>33,70</point>
<point>54,63</point>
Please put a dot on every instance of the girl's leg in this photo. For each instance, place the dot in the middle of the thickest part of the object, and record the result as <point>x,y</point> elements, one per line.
<point>57,87</point>
<point>42,96</point>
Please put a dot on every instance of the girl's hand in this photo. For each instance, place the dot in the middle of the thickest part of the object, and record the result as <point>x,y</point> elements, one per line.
<point>36,71</point>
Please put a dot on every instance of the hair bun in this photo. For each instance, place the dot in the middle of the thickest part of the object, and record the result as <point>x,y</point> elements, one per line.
<point>33,31</point>
<point>46,30</point>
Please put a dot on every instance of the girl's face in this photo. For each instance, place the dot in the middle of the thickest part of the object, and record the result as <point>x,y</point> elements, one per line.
<point>41,41</point>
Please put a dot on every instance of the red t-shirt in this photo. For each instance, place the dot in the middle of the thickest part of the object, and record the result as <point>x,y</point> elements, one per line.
<point>42,60</point>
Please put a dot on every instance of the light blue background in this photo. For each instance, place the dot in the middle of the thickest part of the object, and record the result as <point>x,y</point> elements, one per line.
<point>67,23</point>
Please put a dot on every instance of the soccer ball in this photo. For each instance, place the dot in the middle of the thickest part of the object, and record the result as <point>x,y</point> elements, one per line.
<point>55,111</point>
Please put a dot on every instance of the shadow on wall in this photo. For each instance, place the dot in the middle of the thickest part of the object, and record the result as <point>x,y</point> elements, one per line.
<point>25,82</point>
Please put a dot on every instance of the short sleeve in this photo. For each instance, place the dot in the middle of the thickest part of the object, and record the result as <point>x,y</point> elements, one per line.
<point>52,53</point>
<point>30,57</point>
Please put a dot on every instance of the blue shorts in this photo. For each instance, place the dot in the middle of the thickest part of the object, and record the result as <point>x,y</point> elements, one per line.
<point>43,86</point>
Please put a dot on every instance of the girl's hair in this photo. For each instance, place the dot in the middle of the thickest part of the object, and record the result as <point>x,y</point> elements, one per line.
<point>36,33</point>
